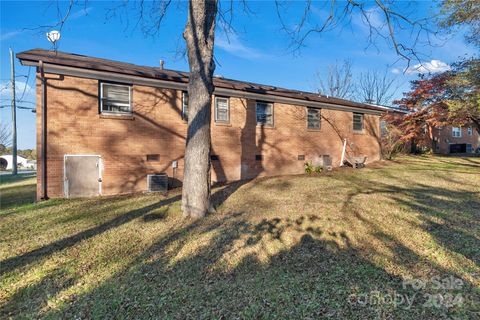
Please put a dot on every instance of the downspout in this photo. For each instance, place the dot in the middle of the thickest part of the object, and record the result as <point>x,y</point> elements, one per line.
<point>343,152</point>
<point>43,129</point>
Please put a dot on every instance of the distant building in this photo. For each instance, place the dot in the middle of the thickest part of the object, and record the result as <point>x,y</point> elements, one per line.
<point>21,162</point>
<point>452,140</point>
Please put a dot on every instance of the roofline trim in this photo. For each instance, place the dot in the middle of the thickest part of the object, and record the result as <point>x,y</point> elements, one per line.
<point>137,80</point>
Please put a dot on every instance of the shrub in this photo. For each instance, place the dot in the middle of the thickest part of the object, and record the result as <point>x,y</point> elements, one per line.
<point>310,168</point>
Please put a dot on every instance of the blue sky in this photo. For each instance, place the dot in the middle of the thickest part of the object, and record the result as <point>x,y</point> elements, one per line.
<point>258,51</point>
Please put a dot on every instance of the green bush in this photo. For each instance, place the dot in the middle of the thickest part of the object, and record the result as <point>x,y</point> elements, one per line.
<point>310,168</point>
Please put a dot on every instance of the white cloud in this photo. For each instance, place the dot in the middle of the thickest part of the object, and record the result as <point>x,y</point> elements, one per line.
<point>233,45</point>
<point>395,70</point>
<point>8,35</point>
<point>434,66</point>
<point>20,86</point>
<point>80,13</point>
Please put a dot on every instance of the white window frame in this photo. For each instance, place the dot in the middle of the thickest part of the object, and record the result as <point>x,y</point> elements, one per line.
<point>184,107</point>
<point>129,104</point>
<point>362,121</point>
<point>319,118</point>
<point>228,110</point>
<point>456,130</point>
<point>470,131</point>
<point>256,114</point>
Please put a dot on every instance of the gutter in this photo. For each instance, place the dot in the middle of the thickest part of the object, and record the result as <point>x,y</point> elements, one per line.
<point>167,84</point>
<point>43,130</point>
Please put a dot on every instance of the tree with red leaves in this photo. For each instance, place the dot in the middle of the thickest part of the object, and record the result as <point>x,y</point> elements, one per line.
<point>449,98</point>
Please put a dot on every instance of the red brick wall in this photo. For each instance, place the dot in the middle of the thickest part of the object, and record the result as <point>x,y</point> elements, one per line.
<point>75,127</point>
<point>444,138</point>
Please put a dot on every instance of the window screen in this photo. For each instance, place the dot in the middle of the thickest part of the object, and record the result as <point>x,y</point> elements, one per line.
<point>115,98</point>
<point>265,113</point>
<point>222,110</point>
<point>185,105</point>
<point>357,122</point>
<point>313,118</point>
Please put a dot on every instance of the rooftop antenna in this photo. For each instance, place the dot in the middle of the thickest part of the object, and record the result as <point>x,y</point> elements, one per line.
<point>53,36</point>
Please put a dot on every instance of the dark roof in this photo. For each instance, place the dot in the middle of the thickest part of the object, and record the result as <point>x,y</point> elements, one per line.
<point>86,62</point>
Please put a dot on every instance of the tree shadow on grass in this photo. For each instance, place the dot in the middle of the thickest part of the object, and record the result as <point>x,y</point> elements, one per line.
<point>40,253</point>
<point>19,261</point>
<point>239,274</point>
<point>17,196</point>
<point>451,217</point>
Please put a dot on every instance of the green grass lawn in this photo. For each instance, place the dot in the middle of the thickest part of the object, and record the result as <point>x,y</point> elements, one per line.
<point>335,245</point>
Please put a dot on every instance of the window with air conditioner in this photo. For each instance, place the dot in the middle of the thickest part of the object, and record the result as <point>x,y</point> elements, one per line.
<point>115,98</point>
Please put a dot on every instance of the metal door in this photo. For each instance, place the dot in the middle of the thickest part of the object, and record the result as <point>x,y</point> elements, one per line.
<point>82,175</point>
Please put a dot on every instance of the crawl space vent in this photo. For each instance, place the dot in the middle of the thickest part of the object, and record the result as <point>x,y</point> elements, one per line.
<point>157,182</point>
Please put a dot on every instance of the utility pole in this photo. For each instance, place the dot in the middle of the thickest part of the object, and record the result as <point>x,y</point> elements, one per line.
<point>14,117</point>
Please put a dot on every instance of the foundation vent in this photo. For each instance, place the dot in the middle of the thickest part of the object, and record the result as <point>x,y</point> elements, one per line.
<point>157,182</point>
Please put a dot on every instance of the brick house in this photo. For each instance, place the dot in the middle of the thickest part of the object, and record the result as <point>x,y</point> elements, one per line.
<point>107,125</point>
<point>454,140</point>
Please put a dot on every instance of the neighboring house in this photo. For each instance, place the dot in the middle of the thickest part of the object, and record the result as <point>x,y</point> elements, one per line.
<point>21,162</point>
<point>450,139</point>
<point>109,124</point>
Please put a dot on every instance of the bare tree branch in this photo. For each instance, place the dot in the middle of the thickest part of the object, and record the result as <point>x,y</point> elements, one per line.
<point>376,87</point>
<point>337,81</point>
<point>395,20</point>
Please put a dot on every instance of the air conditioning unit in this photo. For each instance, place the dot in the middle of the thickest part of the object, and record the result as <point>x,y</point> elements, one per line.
<point>157,182</point>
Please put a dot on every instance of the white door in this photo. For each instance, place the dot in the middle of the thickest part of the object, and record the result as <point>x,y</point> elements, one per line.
<point>82,176</point>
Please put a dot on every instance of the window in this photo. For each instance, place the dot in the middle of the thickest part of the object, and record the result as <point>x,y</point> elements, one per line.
<point>470,131</point>
<point>153,157</point>
<point>301,157</point>
<point>258,157</point>
<point>358,122</point>
<point>456,132</point>
<point>185,105</point>
<point>264,114</point>
<point>222,110</point>
<point>313,118</point>
<point>214,157</point>
<point>115,98</point>
<point>383,128</point>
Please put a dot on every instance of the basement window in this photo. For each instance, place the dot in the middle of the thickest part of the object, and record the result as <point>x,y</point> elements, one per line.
<point>115,98</point>
<point>313,118</point>
<point>357,122</point>
<point>153,157</point>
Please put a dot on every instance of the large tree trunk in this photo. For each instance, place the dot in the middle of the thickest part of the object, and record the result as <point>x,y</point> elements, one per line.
<point>199,36</point>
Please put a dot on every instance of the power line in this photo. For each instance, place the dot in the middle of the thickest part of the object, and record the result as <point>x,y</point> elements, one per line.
<point>26,83</point>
